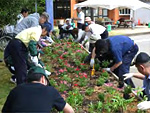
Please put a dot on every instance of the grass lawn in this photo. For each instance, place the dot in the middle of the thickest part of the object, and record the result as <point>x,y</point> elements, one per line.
<point>5,84</point>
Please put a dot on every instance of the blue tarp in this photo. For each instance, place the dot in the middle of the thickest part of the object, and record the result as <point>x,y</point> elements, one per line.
<point>49,10</point>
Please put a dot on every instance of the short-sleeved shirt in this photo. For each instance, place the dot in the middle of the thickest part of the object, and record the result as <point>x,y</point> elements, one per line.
<point>146,86</point>
<point>81,16</point>
<point>119,46</point>
<point>33,98</point>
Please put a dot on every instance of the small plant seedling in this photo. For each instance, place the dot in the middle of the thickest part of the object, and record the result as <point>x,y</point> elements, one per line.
<point>101,97</point>
<point>89,91</point>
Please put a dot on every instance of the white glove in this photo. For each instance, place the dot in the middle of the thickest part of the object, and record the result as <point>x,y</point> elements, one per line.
<point>144,105</point>
<point>107,69</point>
<point>128,75</point>
<point>47,73</point>
<point>92,62</point>
<point>35,60</point>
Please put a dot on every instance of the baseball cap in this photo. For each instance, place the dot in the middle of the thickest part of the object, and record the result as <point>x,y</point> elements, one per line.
<point>87,19</point>
<point>142,58</point>
<point>37,70</point>
<point>46,15</point>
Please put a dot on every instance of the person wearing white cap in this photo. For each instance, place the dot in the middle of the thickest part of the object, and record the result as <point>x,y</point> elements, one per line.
<point>89,21</point>
<point>67,28</point>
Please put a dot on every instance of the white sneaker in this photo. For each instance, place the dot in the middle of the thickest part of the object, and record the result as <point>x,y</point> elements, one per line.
<point>13,80</point>
<point>47,72</point>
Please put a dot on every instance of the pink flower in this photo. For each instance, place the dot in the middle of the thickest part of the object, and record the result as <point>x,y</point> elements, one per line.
<point>65,91</point>
<point>76,76</point>
<point>84,75</point>
<point>61,82</point>
<point>65,53</point>
<point>61,70</point>
<point>65,82</point>
<point>108,84</point>
<point>79,51</point>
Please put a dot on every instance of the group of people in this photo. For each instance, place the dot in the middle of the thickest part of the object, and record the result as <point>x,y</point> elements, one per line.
<point>33,92</point>
<point>121,50</point>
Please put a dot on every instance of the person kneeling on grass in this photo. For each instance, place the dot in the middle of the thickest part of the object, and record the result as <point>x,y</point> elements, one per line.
<point>18,49</point>
<point>142,63</point>
<point>35,96</point>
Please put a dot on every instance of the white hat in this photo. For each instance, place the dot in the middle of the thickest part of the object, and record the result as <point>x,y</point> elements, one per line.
<point>87,19</point>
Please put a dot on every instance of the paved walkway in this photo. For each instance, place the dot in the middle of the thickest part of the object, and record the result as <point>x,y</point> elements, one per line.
<point>139,30</point>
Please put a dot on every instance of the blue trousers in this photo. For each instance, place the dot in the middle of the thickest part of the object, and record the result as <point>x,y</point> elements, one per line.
<point>19,54</point>
<point>125,66</point>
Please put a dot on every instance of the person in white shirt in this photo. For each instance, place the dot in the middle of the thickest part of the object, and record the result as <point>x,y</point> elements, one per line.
<point>80,21</point>
<point>94,32</point>
<point>22,15</point>
<point>89,21</point>
<point>66,28</point>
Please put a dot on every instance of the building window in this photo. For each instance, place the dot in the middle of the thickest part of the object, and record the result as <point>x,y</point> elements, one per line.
<point>62,9</point>
<point>124,11</point>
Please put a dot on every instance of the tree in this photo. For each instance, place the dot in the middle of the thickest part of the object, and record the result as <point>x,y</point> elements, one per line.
<point>11,8</point>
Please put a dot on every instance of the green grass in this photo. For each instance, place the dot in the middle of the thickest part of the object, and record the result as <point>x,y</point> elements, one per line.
<point>5,84</point>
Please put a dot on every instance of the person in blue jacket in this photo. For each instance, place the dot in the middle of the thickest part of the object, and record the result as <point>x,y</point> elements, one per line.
<point>123,50</point>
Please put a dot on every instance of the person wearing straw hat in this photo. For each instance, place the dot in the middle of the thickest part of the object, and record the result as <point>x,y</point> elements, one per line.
<point>35,96</point>
<point>142,63</point>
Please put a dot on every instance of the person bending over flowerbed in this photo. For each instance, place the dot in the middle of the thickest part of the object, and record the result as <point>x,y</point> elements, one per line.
<point>35,96</point>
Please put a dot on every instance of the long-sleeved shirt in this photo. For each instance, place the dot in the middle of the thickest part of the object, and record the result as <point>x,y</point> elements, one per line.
<point>30,21</point>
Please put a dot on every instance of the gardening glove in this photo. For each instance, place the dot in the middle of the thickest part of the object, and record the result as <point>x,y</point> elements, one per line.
<point>92,62</point>
<point>144,105</point>
<point>47,72</point>
<point>128,75</point>
<point>35,61</point>
<point>107,69</point>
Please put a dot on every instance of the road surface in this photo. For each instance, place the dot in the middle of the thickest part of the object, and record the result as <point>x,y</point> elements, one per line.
<point>143,41</point>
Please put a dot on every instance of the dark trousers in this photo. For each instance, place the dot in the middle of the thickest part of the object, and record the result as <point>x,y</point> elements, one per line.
<point>66,31</point>
<point>125,66</point>
<point>18,52</point>
<point>79,25</point>
<point>104,35</point>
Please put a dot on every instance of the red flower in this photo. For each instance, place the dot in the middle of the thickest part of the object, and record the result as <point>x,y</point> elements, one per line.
<point>103,71</point>
<point>61,70</point>
<point>82,64</point>
<point>75,85</point>
<point>61,57</point>
<point>77,69</point>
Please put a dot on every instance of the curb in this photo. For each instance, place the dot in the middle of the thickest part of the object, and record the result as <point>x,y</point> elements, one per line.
<point>134,34</point>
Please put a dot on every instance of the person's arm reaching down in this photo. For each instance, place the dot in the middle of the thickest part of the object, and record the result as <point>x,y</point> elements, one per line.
<point>68,109</point>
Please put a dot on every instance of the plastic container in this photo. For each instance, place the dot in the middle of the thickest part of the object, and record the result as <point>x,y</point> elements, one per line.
<point>108,27</point>
<point>149,25</point>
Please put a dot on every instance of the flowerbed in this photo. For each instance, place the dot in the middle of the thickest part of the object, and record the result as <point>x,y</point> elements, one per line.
<point>72,78</point>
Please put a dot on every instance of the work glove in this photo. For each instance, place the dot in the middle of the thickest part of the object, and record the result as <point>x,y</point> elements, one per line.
<point>128,75</point>
<point>92,62</point>
<point>107,69</point>
<point>144,105</point>
<point>47,72</point>
<point>35,60</point>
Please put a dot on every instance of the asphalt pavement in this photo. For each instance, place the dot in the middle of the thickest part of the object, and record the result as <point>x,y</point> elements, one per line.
<point>143,41</point>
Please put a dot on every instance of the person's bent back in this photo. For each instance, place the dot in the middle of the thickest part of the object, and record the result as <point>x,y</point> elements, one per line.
<point>35,96</point>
